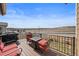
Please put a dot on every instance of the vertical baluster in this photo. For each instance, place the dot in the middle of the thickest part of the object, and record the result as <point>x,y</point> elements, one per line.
<point>67,45</point>
<point>59,43</point>
<point>64,43</point>
<point>70,46</point>
<point>73,46</point>
<point>54,41</point>
<point>50,41</point>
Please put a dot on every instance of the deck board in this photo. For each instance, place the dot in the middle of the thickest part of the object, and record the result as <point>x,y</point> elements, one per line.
<point>26,49</point>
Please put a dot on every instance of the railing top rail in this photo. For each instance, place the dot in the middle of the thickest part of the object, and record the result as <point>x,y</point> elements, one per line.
<point>66,35</point>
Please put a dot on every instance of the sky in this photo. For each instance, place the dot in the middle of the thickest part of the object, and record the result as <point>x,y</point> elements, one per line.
<point>39,15</point>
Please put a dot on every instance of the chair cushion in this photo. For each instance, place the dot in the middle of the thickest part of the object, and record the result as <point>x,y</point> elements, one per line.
<point>43,48</point>
<point>12,52</point>
<point>9,47</point>
<point>42,42</point>
<point>1,46</point>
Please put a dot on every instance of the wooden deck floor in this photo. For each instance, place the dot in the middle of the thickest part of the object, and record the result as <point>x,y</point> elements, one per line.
<point>29,51</point>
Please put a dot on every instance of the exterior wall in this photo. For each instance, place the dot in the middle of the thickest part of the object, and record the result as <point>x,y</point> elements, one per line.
<point>77,41</point>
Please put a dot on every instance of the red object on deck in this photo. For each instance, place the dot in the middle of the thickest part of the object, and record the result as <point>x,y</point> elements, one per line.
<point>1,46</point>
<point>11,46</point>
<point>43,44</point>
<point>43,48</point>
<point>10,50</point>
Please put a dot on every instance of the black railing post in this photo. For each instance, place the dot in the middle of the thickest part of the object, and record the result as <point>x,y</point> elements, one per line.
<point>63,44</point>
<point>73,46</point>
<point>67,45</point>
<point>59,43</point>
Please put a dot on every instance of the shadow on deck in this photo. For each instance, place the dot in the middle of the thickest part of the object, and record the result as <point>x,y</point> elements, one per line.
<point>29,51</point>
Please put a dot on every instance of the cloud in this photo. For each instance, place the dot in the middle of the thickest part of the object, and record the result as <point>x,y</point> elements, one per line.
<point>20,11</point>
<point>38,9</point>
<point>11,12</point>
<point>15,11</point>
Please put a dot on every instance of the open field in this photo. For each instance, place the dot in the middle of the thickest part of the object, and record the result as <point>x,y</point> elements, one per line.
<point>65,30</point>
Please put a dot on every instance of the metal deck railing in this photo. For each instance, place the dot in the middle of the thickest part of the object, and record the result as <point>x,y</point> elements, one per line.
<point>62,44</point>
